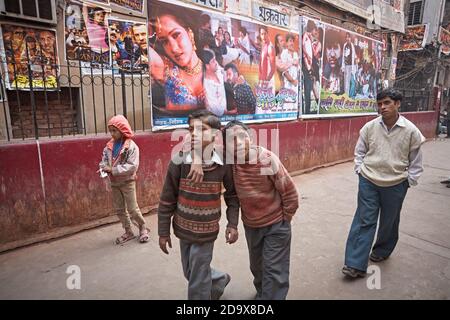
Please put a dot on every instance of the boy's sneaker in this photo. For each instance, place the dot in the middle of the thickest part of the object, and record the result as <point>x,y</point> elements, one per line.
<point>216,294</point>
<point>374,258</point>
<point>353,273</point>
<point>446,181</point>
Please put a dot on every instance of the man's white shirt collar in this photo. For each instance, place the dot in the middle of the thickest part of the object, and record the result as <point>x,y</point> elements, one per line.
<point>215,158</point>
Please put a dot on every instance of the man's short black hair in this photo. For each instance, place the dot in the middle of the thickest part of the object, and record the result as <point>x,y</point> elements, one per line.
<point>234,123</point>
<point>207,117</point>
<point>231,66</point>
<point>390,93</point>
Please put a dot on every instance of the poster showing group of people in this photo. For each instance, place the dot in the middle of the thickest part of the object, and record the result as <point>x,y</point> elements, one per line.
<point>128,45</point>
<point>444,39</point>
<point>235,68</point>
<point>341,70</point>
<point>414,38</point>
<point>86,33</point>
<point>102,42</point>
<point>29,51</point>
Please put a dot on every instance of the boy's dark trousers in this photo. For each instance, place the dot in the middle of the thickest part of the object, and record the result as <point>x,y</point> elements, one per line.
<point>269,251</point>
<point>374,201</point>
<point>204,281</point>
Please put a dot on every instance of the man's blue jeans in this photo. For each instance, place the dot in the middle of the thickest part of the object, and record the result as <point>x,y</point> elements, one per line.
<point>374,201</point>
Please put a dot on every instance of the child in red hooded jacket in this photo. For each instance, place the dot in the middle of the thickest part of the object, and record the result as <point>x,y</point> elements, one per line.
<point>120,162</point>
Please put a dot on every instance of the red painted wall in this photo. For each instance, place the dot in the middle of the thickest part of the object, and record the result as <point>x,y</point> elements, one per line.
<point>75,194</point>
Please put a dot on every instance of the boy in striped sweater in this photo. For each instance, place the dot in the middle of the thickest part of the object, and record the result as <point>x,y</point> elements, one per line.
<point>268,199</point>
<point>195,208</point>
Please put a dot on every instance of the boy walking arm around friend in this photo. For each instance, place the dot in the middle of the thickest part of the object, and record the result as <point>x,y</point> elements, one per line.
<point>194,209</point>
<point>268,199</point>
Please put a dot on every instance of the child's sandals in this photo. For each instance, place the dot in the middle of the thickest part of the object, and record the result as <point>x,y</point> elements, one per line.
<point>124,238</point>
<point>143,236</point>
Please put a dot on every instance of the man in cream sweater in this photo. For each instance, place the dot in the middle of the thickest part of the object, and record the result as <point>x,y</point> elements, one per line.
<point>388,161</point>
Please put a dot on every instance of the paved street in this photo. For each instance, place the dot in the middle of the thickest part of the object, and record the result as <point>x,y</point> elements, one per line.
<point>418,269</point>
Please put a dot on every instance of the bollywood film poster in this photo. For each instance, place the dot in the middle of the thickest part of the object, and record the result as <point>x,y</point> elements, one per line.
<point>205,60</point>
<point>30,52</point>
<point>128,46</point>
<point>414,38</point>
<point>86,34</point>
<point>444,39</point>
<point>341,70</point>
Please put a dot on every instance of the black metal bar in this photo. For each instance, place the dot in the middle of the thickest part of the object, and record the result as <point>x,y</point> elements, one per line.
<point>93,98</point>
<point>19,107</point>
<point>103,88</point>
<point>58,91</point>
<point>114,90</point>
<point>69,77</point>
<point>82,96</point>
<point>132,94</point>
<point>124,94</point>
<point>32,101</point>
<point>45,96</point>
<point>3,93</point>
<point>142,102</point>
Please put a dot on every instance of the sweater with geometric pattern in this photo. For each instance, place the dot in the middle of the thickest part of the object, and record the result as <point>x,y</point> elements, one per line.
<point>195,208</point>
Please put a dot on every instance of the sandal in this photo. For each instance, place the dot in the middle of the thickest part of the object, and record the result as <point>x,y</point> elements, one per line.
<point>143,236</point>
<point>124,238</point>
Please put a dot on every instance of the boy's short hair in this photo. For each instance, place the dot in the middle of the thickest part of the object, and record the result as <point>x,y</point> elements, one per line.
<point>390,93</point>
<point>231,124</point>
<point>206,116</point>
<point>234,123</point>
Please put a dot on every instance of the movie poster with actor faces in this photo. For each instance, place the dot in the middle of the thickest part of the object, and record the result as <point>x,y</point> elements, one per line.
<point>30,51</point>
<point>341,70</point>
<point>237,69</point>
<point>444,39</point>
<point>414,38</point>
<point>128,46</point>
<point>86,33</point>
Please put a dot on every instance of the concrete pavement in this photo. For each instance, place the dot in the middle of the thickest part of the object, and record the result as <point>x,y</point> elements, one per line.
<point>418,269</point>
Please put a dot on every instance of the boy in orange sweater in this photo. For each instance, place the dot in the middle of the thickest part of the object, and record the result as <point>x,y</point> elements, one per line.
<point>268,199</point>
